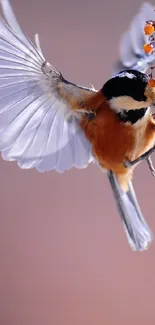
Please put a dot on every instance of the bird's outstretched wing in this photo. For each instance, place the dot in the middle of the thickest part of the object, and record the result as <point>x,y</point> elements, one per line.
<point>131,53</point>
<point>38,126</point>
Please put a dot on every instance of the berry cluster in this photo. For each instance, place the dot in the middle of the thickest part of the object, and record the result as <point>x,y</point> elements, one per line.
<point>149,30</point>
<point>149,48</point>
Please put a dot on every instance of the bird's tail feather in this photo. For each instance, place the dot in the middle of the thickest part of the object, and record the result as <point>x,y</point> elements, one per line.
<point>138,233</point>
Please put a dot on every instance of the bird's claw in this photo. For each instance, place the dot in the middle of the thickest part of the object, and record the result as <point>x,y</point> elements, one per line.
<point>146,156</point>
<point>128,164</point>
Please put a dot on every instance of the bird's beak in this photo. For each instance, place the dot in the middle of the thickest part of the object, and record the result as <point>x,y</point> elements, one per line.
<point>150,92</point>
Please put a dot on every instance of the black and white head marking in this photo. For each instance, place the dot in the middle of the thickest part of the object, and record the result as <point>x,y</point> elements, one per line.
<point>126,91</point>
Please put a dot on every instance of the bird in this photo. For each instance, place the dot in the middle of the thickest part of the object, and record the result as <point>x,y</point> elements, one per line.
<point>50,123</point>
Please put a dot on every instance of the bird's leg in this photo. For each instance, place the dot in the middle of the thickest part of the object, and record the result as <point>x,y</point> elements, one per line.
<point>146,156</point>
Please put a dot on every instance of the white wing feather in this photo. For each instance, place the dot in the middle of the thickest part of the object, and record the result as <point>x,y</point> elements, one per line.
<point>34,130</point>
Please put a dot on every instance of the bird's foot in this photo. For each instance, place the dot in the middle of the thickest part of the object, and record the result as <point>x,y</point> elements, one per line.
<point>146,156</point>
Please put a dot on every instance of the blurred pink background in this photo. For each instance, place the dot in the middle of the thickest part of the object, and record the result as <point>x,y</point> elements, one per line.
<point>64,257</point>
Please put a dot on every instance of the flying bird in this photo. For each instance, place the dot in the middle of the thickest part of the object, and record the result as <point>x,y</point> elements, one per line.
<point>50,123</point>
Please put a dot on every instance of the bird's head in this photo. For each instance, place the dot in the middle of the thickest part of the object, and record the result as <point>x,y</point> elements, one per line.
<point>129,90</point>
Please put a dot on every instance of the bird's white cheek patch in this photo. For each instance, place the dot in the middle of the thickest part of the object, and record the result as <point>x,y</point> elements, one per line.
<point>126,103</point>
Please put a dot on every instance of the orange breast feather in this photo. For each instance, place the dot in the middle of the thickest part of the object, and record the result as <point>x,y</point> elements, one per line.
<point>114,141</point>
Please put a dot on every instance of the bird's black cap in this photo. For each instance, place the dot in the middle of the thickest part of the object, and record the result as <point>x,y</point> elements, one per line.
<point>126,83</point>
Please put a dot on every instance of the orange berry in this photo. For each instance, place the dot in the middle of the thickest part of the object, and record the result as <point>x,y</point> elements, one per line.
<point>148,48</point>
<point>151,83</point>
<point>148,29</point>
